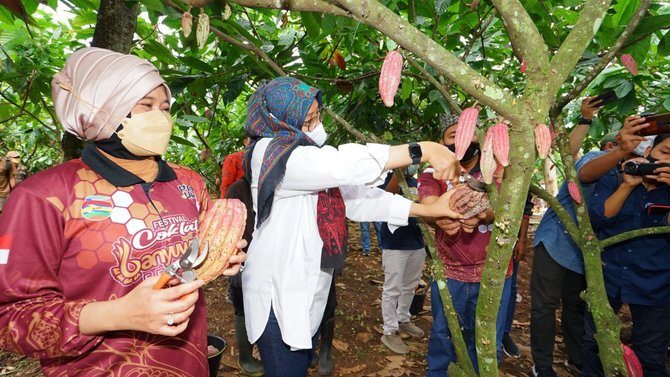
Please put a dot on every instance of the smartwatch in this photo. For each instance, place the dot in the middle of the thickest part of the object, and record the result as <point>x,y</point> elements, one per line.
<point>583,120</point>
<point>415,153</point>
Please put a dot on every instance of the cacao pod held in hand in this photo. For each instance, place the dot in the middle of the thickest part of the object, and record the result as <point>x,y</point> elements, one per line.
<point>221,228</point>
<point>468,201</point>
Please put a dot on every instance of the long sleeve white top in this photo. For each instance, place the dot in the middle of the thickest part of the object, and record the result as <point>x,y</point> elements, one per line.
<point>283,269</point>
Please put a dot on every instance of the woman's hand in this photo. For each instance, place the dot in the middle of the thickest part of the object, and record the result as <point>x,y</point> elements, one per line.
<point>164,311</point>
<point>439,208</point>
<point>447,167</point>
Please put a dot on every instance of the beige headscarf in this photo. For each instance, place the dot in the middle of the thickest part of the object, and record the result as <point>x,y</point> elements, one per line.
<point>97,88</point>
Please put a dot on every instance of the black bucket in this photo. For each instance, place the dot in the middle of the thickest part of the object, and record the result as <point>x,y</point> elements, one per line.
<point>215,360</point>
<point>417,303</point>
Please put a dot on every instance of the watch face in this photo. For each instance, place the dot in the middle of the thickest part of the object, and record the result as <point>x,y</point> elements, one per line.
<point>415,153</point>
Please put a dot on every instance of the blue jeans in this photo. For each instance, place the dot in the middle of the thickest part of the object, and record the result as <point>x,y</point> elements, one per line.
<point>512,300</point>
<point>378,231</point>
<point>441,351</point>
<point>278,359</point>
<point>649,340</point>
<point>365,236</point>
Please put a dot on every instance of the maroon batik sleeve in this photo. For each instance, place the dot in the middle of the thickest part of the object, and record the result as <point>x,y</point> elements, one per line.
<point>35,318</point>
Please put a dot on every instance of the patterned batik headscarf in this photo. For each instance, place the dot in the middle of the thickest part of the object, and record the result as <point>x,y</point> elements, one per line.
<point>277,110</point>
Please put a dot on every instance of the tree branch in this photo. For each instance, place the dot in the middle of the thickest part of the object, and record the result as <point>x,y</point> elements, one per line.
<point>625,236</point>
<point>452,103</point>
<point>605,60</point>
<point>375,15</point>
<point>561,212</point>
<point>296,5</point>
<point>523,33</point>
<point>577,41</point>
<point>351,129</point>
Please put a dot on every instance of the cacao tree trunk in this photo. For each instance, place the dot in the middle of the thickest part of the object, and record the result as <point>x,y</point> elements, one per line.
<point>114,30</point>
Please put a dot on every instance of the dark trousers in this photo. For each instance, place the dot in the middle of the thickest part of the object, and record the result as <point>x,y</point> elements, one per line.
<point>650,339</point>
<point>278,359</point>
<point>551,284</point>
<point>512,300</point>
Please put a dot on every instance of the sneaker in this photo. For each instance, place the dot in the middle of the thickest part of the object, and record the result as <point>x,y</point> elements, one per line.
<point>411,329</point>
<point>544,372</point>
<point>509,348</point>
<point>366,253</point>
<point>395,343</point>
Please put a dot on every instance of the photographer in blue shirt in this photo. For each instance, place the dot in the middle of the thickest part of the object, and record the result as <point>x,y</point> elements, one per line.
<point>637,271</point>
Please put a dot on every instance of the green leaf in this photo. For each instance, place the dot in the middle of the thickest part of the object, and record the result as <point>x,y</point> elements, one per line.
<point>182,141</point>
<point>623,89</point>
<point>406,89</point>
<point>195,118</point>
<point>664,45</point>
<point>158,50</point>
<point>441,6</point>
<point>197,64</point>
<point>666,103</point>
<point>312,23</point>
<point>156,5</point>
<point>651,24</point>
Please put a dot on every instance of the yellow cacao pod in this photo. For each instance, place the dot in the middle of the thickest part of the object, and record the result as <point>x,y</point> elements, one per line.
<point>202,31</point>
<point>222,226</point>
<point>186,23</point>
<point>487,162</point>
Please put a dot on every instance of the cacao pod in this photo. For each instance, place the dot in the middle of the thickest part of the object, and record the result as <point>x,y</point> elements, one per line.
<point>202,31</point>
<point>487,162</point>
<point>389,77</point>
<point>186,23</point>
<point>465,130</point>
<point>501,143</point>
<point>339,59</point>
<point>630,64</point>
<point>221,228</point>
<point>331,63</point>
<point>474,4</point>
<point>633,364</point>
<point>574,192</point>
<point>499,174</point>
<point>522,69</point>
<point>227,12</point>
<point>542,140</point>
<point>468,201</point>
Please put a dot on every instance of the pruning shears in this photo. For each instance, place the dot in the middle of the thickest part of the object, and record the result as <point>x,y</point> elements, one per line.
<point>184,267</point>
<point>473,182</point>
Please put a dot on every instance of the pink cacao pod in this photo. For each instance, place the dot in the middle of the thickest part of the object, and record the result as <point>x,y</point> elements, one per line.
<point>465,130</point>
<point>186,23</point>
<point>499,173</point>
<point>632,362</point>
<point>542,140</point>
<point>523,67</point>
<point>630,64</point>
<point>574,192</point>
<point>487,162</point>
<point>501,143</point>
<point>474,4</point>
<point>389,78</point>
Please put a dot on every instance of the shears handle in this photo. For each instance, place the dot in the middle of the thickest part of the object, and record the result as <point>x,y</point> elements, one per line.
<point>162,281</point>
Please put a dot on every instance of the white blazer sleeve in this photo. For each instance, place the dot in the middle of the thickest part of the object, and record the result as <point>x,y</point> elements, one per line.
<point>374,204</point>
<point>311,169</point>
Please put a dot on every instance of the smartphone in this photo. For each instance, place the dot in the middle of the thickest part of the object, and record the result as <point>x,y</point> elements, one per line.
<point>605,98</point>
<point>658,209</point>
<point>658,124</point>
<point>639,168</point>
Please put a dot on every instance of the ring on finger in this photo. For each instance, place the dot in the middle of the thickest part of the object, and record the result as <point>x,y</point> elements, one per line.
<point>170,319</point>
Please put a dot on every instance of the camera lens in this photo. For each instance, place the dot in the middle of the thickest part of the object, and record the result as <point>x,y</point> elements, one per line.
<point>630,167</point>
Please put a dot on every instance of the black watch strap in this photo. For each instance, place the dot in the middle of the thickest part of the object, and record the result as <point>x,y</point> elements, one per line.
<point>583,120</point>
<point>415,153</point>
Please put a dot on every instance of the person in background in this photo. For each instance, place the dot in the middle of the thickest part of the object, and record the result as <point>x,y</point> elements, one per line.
<point>83,243</point>
<point>245,359</point>
<point>403,257</point>
<point>302,193</point>
<point>557,276</point>
<point>12,172</point>
<point>232,169</point>
<point>461,245</point>
<point>636,271</point>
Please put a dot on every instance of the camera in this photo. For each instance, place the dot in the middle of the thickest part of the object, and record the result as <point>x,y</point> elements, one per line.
<point>640,168</point>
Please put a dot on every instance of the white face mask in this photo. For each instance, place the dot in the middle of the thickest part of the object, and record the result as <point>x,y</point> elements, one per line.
<point>642,147</point>
<point>318,134</point>
<point>147,134</point>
